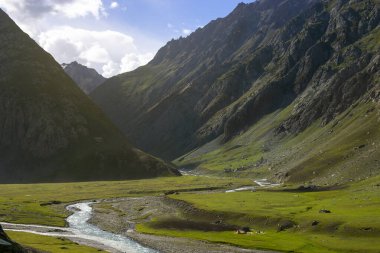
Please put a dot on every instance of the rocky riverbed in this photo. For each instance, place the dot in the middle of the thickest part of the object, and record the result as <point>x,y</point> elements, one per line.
<point>121,215</point>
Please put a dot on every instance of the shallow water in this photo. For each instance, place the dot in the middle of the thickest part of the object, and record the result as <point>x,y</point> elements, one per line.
<point>78,222</point>
<point>261,183</point>
<point>79,228</point>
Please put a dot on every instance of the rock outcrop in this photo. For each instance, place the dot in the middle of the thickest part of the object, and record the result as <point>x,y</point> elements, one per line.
<point>225,77</point>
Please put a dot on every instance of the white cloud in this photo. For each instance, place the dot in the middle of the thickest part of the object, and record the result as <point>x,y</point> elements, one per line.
<point>80,8</point>
<point>109,52</point>
<point>110,68</point>
<point>132,61</point>
<point>25,9</point>
<point>34,16</point>
<point>170,25</point>
<point>95,54</point>
<point>114,5</point>
<point>186,32</point>
<point>53,24</point>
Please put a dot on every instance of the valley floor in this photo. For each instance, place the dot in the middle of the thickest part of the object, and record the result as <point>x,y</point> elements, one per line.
<point>191,214</point>
<point>121,216</point>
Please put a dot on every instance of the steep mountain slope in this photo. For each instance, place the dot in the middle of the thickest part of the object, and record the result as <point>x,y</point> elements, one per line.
<point>50,130</point>
<point>307,61</point>
<point>86,78</point>
<point>8,246</point>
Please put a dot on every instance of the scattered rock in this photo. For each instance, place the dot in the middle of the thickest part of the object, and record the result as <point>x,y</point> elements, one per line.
<point>56,231</point>
<point>53,202</point>
<point>359,147</point>
<point>246,229</point>
<point>284,225</point>
<point>308,188</point>
<point>170,193</point>
<point>315,223</point>
<point>324,211</point>
<point>243,230</point>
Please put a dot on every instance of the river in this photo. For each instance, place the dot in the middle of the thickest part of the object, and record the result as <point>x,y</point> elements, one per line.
<point>81,231</point>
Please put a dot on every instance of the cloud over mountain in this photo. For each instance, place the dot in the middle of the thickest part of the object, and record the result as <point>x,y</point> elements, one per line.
<point>109,51</point>
<point>61,28</point>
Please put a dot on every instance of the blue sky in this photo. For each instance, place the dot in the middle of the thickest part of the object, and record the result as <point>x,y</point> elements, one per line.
<point>166,19</point>
<point>112,36</point>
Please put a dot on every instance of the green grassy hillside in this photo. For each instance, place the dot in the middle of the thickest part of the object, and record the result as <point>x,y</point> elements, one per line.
<point>344,149</point>
<point>306,61</point>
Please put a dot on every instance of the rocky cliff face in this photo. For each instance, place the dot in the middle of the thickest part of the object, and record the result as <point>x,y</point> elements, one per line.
<point>49,129</point>
<point>86,78</point>
<point>264,56</point>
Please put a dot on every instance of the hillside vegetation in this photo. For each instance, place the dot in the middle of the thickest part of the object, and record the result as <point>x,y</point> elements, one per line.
<point>281,89</point>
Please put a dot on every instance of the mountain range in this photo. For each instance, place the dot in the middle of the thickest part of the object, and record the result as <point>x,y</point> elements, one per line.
<point>287,89</point>
<point>50,130</point>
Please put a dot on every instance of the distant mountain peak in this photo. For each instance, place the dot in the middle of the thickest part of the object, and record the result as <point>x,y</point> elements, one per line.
<point>86,78</point>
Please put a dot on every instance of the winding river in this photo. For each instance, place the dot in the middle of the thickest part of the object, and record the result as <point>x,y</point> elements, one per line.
<point>81,231</point>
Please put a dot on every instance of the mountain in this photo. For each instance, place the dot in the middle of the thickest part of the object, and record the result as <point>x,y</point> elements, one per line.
<point>50,130</point>
<point>277,88</point>
<point>86,78</point>
<point>8,246</point>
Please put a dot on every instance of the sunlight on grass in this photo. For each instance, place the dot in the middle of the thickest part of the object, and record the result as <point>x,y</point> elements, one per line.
<point>50,244</point>
<point>22,203</point>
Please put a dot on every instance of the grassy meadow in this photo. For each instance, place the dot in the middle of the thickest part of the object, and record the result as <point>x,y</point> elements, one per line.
<point>26,203</point>
<point>50,244</point>
<point>352,226</point>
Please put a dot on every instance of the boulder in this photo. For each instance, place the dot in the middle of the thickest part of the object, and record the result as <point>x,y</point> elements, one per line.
<point>284,225</point>
<point>315,223</point>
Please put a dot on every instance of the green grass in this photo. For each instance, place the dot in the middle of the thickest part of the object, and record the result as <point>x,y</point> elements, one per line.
<point>353,209</point>
<point>50,244</point>
<point>313,155</point>
<point>287,242</point>
<point>243,151</point>
<point>21,203</point>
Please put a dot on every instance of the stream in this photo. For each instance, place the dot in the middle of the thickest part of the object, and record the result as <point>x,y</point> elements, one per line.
<point>82,232</point>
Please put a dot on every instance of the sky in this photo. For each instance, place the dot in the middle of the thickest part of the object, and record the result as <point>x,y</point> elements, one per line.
<point>112,36</point>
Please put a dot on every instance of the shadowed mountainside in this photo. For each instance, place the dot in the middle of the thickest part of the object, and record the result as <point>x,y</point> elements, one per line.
<point>8,246</point>
<point>50,130</point>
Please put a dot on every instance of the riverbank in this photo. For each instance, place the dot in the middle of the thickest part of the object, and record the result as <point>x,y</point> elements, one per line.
<point>124,239</point>
<point>18,232</point>
<point>83,233</point>
<point>122,215</point>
